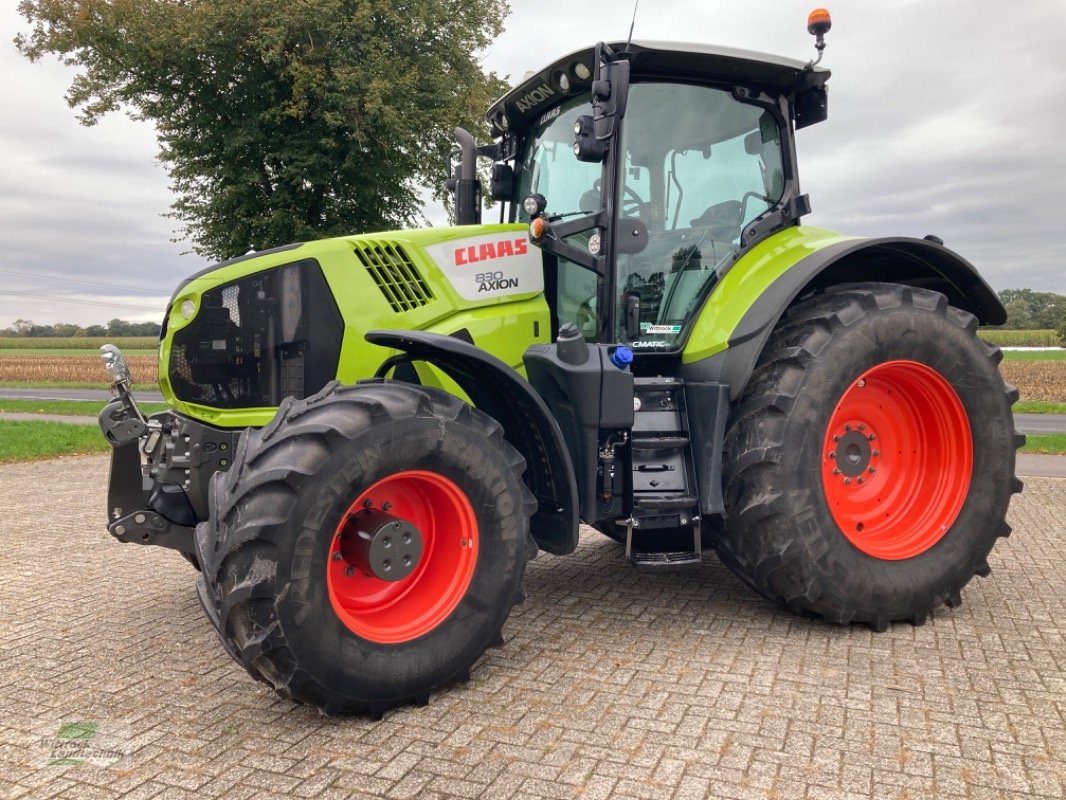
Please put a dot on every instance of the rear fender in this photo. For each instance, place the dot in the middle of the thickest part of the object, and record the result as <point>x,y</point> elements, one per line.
<point>499,391</point>
<point>739,315</point>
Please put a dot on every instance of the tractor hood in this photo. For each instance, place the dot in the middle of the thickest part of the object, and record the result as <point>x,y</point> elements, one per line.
<point>244,334</point>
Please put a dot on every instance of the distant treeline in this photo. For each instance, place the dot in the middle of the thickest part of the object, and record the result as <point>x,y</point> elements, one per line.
<point>1026,310</point>
<point>1029,310</point>
<point>25,329</point>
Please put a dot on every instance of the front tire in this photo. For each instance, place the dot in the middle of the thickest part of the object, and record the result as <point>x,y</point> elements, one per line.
<point>870,460</point>
<point>304,606</point>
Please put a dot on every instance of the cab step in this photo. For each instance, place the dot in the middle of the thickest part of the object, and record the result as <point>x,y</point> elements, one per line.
<point>667,502</point>
<point>671,561</point>
<point>660,443</point>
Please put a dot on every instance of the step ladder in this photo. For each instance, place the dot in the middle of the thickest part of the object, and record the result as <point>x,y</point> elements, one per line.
<point>665,495</point>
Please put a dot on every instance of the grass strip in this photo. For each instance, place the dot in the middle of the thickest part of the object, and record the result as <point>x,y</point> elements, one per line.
<point>1048,444</point>
<point>1034,355</point>
<point>1038,407</point>
<point>33,441</point>
<point>74,408</point>
<point>68,351</point>
<point>83,343</point>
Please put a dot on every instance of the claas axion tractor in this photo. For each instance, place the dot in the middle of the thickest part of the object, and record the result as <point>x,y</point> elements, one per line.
<point>370,436</point>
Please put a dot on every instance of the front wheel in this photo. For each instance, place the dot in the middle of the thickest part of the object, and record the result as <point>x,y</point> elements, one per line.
<point>366,546</point>
<point>870,460</point>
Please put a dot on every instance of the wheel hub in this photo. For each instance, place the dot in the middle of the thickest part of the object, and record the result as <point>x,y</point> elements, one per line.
<point>381,545</point>
<point>402,556</point>
<point>854,458</point>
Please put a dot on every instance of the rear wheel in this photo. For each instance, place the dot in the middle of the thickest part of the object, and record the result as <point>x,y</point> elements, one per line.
<point>870,461</point>
<point>366,546</point>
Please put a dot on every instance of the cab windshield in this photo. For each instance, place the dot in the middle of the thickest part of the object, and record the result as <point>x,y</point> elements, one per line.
<point>698,166</point>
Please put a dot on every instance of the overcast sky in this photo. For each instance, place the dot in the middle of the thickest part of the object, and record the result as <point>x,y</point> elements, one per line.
<point>946,117</point>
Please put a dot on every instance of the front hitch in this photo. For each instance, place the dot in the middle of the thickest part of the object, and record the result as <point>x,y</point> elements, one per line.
<point>131,497</point>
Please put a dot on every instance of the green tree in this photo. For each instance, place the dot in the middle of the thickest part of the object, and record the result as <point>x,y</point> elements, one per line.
<point>281,120</point>
<point>119,327</point>
<point>1031,310</point>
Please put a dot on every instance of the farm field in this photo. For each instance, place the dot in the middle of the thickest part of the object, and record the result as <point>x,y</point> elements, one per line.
<point>46,369</point>
<point>83,344</point>
<point>1040,375</point>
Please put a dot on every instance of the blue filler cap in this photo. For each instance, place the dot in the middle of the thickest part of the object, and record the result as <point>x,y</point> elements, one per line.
<point>622,357</point>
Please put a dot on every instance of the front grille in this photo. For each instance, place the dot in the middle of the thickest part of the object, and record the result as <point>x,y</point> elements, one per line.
<point>395,275</point>
<point>269,335</point>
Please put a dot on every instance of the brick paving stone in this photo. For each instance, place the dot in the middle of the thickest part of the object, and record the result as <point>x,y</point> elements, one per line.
<point>612,684</point>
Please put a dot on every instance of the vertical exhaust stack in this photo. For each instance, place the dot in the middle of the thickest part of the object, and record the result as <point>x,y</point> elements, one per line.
<point>465,186</point>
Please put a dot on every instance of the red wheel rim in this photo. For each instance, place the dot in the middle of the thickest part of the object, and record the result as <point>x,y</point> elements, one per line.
<point>897,459</point>
<point>398,611</point>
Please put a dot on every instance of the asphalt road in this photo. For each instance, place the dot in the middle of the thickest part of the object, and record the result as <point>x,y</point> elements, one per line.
<point>1040,423</point>
<point>103,395</point>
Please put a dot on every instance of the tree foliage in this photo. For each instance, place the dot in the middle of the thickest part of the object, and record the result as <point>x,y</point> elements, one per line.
<point>1029,310</point>
<point>281,120</point>
<point>27,329</point>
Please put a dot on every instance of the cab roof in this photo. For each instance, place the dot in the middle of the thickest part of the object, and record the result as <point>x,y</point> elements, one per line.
<point>673,60</point>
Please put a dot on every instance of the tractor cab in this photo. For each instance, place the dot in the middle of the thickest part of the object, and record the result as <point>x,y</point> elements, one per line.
<point>645,171</point>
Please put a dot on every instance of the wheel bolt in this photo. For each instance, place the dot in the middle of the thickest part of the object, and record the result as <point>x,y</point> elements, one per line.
<point>873,470</point>
<point>847,481</point>
<point>337,556</point>
<point>876,453</point>
<point>386,506</point>
<point>832,456</point>
<point>836,471</point>
<point>861,481</point>
<point>862,427</point>
<point>836,438</point>
<point>872,436</point>
<point>368,503</point>
<point>349,571</point>
<point>861,384</point>
<point>847,428</point>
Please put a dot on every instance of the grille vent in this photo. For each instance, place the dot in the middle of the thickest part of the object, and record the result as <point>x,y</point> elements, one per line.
<point>395,274</point>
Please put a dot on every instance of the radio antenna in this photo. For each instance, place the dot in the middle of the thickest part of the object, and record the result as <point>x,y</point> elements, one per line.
<point>632,24</point>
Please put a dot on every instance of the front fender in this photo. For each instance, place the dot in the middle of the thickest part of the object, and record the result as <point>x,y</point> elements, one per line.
<point>499,391</point>
<point>737,318</point>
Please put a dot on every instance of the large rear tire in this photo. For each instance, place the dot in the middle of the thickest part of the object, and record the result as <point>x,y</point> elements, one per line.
<point>302,605</point>
<point>870,461</point>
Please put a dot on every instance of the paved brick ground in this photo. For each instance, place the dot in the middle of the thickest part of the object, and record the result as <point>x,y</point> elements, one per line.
<point>612,684</point>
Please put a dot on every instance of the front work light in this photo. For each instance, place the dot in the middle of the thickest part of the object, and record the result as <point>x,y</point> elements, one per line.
<point>534,204</point>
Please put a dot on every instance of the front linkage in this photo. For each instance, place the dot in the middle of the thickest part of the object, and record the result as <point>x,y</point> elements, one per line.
<point>159,502</point>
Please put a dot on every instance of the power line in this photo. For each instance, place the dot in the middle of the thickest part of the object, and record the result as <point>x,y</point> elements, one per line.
<point>81,302</point>
<point>65,279</point>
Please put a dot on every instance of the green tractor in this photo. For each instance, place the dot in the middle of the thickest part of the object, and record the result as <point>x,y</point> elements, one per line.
<point>370,436</point>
